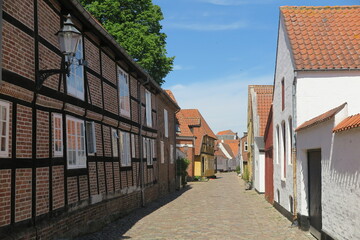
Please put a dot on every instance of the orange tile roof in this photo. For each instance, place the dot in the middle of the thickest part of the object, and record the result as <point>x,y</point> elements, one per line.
<point>184,128</point>
<point>171,95</point>
<point>234,145</point>
<point>193,118</point>
<point>348,123</point>
<point>226,132</point>
<point>264,95</point>
<point>324,37</point>
<point>321,118</point>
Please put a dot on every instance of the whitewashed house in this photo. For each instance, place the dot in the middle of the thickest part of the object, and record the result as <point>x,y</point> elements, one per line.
<point>317,68</point>
<point>328,153</point>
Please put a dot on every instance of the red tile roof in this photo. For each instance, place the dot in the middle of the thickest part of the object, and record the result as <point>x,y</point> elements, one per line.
<point>234,145</point>
<point>183,125</point>
<point>193,118</point>
<point>264,100</point>
<point>171,95</point>
<point>348,123</point>
<point>324,37</point>
<point>226,132</point>
<point>321,118</point>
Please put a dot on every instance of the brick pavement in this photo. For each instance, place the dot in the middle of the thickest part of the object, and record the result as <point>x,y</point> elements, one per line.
<point>217,209</point>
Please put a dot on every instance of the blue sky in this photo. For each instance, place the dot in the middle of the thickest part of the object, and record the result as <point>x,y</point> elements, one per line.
<point>221,47</point>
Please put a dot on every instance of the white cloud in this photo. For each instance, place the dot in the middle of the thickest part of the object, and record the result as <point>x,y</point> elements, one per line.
<point>222,102</point>
<point>206,27</point>
<point>177,67</point>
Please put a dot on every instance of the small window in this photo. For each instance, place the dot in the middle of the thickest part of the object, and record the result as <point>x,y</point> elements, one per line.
<point>148,108</point>
<point>166,123</point>
<point>75,81</point>
<point>90,137</point>
<point>282,94</point>
<point>291,204</point>
<point>149,155</point>
<point>171,154</point>
<point>162,151</point>
<point>178,130</point>
<point>144,147</point>
<point>57,135</point>
<point>114,142</point>
<point>76,157</point>
<point>124,96</point>
<point>245,146</point>
<point>125,149</point>
<point>133,144</point>
<point>4,129</point>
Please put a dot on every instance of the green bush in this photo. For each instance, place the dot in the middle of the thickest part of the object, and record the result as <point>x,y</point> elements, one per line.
<point>245,175</point>
<point>181,167</point>
<point>237,170</point>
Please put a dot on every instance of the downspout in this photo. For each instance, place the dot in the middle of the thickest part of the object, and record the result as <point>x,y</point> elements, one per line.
<point>295,220</point>
<point>141,146</point>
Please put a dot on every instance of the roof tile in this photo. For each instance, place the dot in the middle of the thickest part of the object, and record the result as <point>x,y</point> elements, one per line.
<point>348,123</point>
<point>335,31</point>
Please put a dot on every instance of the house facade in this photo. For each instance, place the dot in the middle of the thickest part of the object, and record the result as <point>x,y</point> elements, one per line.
<point>91,145</point>
<point>311,77</point>
<point>269,164</point>
<point>231,140</point>
<point>243,152</point>
<point>259,102</point>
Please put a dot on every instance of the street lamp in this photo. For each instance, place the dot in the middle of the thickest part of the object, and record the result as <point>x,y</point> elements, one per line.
<point>68,38</point>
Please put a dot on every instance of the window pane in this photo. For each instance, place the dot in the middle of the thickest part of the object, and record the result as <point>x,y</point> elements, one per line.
<point>3,144</point>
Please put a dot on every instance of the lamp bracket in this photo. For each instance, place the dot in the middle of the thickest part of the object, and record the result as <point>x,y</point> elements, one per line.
<point>44,74</point>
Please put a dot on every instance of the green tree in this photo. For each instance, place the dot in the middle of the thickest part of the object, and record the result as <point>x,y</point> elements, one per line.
<point>135,25</point>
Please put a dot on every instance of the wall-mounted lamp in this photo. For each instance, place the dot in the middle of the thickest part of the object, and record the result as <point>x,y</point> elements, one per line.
<point>68,38</point>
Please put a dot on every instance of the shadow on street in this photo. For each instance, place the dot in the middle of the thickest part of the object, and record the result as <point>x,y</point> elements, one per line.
<point>118,228</point>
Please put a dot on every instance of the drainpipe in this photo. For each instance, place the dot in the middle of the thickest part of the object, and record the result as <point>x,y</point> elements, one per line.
<point>141,146</point>
<point>293,152</point>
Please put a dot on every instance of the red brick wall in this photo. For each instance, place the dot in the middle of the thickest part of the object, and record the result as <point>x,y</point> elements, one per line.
<point>108,68</point>
<point>92,178</point>
<point>42,190</point>
<point>23,185</point>
<point>101,176</point>
<point>92,55</point>
<point>42,132</point>
<point>95,90</point>
<point>21,10</point>
<point>5,196</point>
<point>24,132</point>
<point>111,100</point>
<point>84,189</point>
<point>58,187</point>
<point>109,177</point>
<point>72,190</point>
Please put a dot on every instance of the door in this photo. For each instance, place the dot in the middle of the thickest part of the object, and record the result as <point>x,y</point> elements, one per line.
<point>314,171</point>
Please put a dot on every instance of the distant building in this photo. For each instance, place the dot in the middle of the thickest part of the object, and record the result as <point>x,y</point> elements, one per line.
<point>243,154</point>
<point>227,135</point>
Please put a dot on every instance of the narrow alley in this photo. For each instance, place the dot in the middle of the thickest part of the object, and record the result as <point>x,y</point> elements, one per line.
<point>218,209</point>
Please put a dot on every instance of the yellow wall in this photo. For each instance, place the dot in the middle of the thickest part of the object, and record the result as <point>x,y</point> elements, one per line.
<point>197,168</point>
<point>209,165</point>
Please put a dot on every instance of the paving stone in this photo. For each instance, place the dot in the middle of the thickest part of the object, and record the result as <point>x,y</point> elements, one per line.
<point>218,209</point>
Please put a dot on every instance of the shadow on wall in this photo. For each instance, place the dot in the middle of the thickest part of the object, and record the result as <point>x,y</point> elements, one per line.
<point>122,225</point>
<point>345,165</point>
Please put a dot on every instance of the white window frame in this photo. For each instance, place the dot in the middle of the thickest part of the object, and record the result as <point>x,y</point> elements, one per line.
<point>115,142</point>
<point>124,92</point>
<point>90,137</point>
<point>171,154</point>
<point>133,145</point>
<point>148,108</point>
<point>125,156</point>
<point>149,154</point>
<point>153,144</point>
<point>162,151</point>
<point>80,154</point>
<point>77,73</point>
<point>6,106</point>
<point>166,123</point>
<point>57,153</point>
<point>246,146</point>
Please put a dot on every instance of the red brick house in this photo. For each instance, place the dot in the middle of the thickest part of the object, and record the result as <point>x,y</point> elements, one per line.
<point>81,149</point>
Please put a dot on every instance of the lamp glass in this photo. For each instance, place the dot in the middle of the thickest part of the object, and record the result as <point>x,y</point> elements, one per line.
<point>68,37</point>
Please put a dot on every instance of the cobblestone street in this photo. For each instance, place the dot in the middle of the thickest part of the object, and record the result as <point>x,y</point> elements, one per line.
<point>217,209</point>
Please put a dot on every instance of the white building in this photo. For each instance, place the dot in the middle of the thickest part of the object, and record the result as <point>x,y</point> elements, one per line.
<point>317,68</point>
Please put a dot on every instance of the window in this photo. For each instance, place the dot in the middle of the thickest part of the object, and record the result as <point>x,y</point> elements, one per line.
<point>171,154</point>
<point>166,123</point>
<point>75,82</point>
<point>282,94</point>
<point>114,142</point>
<point>283,130</point>
<point>277,145</point>
<point>125,149</point>
<point>278,195</point>
<point>149,155</point>
<point>90,137</point>
<point>76,157</point>
<point>57,135</point>
<point>290,140</point>
<point>133,151</point>
<point>124,96</point>
<point>291,204</point>
<point>4,129</point>
<point>148,108</point>
<point>144,147</point>
<point>162,151</point>
<point>245,146</point>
